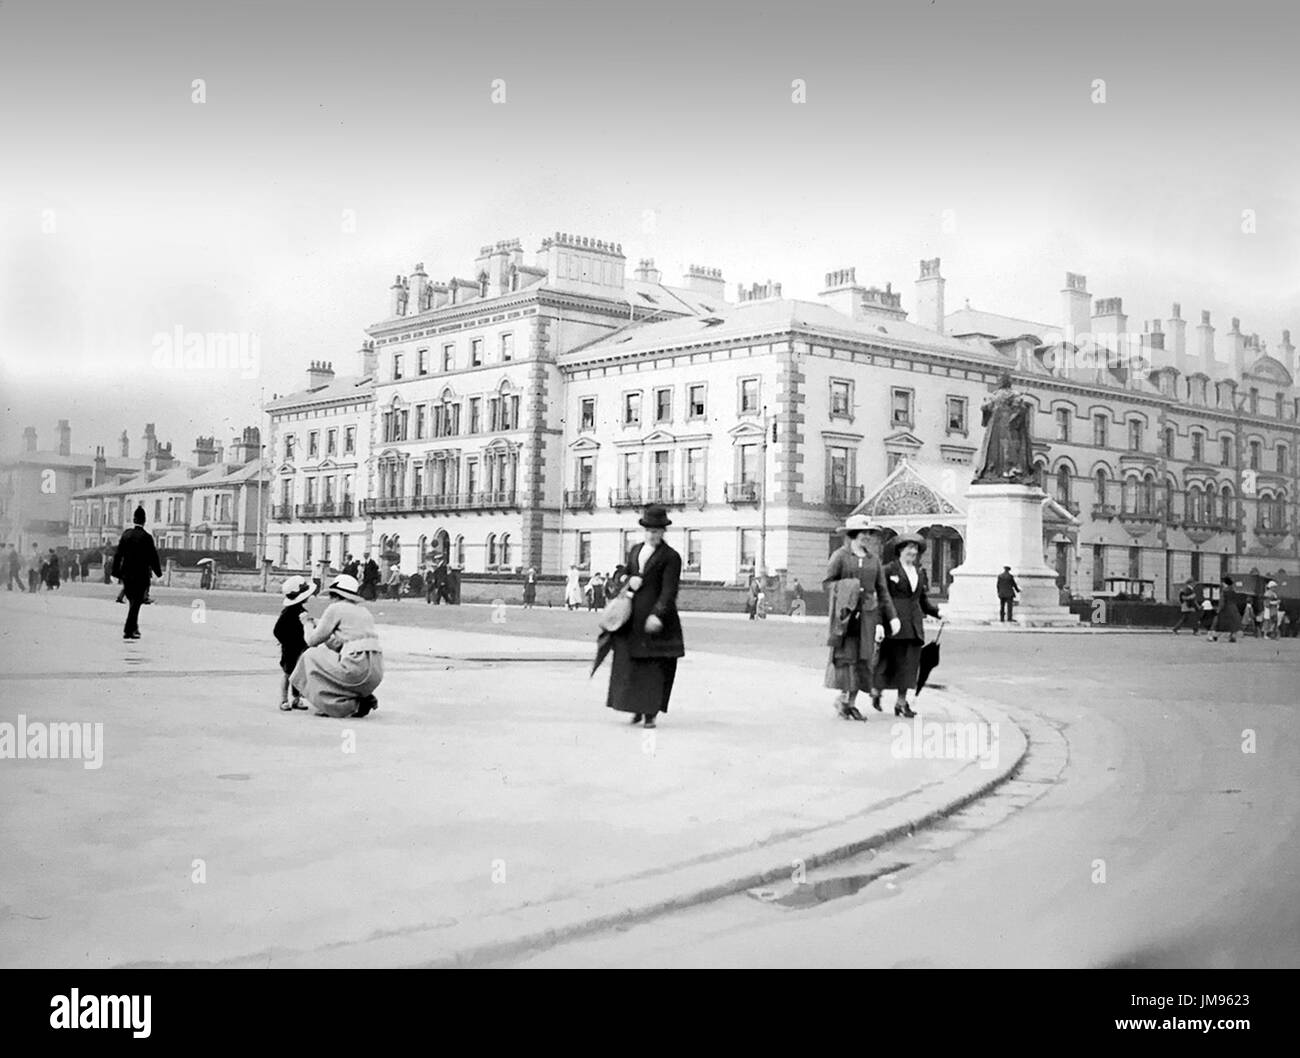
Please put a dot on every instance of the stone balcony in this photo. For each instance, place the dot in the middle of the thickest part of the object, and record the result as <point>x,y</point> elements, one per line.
<point>743,492</point>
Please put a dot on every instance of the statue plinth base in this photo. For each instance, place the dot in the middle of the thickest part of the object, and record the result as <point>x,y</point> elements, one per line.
<point>1004,527</point>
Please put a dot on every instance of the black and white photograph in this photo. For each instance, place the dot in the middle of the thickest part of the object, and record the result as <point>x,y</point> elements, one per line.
<point>654,486</point>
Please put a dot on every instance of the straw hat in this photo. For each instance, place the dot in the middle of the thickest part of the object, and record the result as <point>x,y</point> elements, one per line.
<point>859,523</point>
<point>296,589</point>
<point>346,587</point>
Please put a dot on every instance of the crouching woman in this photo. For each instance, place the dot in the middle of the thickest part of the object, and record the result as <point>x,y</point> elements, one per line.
<point>343,664</point>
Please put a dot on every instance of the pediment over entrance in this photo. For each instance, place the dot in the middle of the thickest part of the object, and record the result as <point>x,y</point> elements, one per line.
<point>907,492</point>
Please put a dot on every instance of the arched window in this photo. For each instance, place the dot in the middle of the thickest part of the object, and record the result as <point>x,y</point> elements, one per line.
<point>1256,453</point>
<point>1169,442</point>
<point>1281,459</point>
<point>1227,511</point>
<point>1148,495</point>
<point>1063,484</point>
<point>1210,504</point>
<point>1195,505</point>
<point>423,544</point>
<point>1099,480</point>
<point>1266,512</point>
<point>505,551</point>
<point>1129,496</point>
<point>482,284</point>
<point>460,552</point>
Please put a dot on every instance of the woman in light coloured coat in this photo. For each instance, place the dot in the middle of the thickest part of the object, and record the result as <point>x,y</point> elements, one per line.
<point>343,664</point>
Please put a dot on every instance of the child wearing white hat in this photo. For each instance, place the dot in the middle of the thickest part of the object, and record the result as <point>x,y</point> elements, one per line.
<point>291,636</point>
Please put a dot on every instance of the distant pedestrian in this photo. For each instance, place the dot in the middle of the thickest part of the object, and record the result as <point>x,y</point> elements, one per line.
<point>573,589</point>
<point>393,583</point>
<point>1249,625</point>
<point>289,633</point>
<point>1008,589</point>
<point>370,580</point>
<point>900,654</point>
<point>51,571</point>
<point>1207,614</point>
<point>596,591</point>
<point>344,663</point>
<point>612,584</point>
<point>84,559</point>
<point>136,558</point>
<point>1227,618</point>
<point>798,607</point>
<point>1272,608</point>
<point>34,570</point>
<point>530,588</point>
<point>1187,607</point>
<point>646,648</point>
<point>752,596</point>
<point>859,605</point>
<point>14,567</point>
<point>351,567</point>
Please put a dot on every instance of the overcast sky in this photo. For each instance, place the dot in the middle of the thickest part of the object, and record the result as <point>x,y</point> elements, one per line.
<point>964,130</point>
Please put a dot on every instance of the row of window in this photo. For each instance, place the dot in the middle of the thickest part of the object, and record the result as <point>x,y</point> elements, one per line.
<point>218,507</point>
<point>1145,496</point>
<point>447,361</point>
<point>442,419</point>
<point>1136,429</point>
<point>494,471</point>
<point>690,544</point>
<point>331,443</point>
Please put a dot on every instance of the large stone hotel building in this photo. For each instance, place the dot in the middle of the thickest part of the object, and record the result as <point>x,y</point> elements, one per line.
<point>522,416</point>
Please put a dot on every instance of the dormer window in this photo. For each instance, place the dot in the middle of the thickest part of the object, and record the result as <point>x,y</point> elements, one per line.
<point>483,284</point>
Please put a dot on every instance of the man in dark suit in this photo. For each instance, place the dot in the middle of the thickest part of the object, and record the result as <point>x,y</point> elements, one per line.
<point>1008,589</point>
<point>136,558</point>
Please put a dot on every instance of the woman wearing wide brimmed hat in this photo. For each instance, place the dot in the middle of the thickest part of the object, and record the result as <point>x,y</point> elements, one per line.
<point>343,664</point>
<point>859,606</point>
<point>900,653</point>
<point>647,647</point>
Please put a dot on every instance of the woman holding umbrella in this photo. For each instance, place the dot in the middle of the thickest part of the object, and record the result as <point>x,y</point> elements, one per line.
<point>900,653</point>
<point>646,647</point>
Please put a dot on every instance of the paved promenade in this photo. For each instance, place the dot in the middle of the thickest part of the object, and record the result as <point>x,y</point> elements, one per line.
<point>491,787</point>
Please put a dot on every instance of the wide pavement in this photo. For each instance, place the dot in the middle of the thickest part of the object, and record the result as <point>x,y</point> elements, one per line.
<point>490,783</point>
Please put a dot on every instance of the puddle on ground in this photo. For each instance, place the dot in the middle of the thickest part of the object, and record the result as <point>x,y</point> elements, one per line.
<point>239,776</point>
<point>813,894</point>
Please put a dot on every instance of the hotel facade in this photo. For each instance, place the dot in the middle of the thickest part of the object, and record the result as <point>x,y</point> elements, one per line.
<point>523,417</point>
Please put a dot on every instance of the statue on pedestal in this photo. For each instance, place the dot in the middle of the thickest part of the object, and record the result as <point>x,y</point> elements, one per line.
<point>1006,452</point>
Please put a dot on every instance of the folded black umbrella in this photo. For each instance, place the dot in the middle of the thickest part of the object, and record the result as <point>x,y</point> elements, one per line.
<point>929,659</point>
<point>604,644</point>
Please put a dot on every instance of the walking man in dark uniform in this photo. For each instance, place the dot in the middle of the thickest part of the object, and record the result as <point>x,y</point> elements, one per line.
<point>136,558</point>
<point>1008,589</point>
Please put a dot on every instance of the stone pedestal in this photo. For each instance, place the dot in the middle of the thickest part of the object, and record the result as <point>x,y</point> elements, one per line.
<point>1004,527</point>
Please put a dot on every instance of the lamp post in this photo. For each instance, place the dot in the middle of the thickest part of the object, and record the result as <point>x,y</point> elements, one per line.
<point>762,505</point>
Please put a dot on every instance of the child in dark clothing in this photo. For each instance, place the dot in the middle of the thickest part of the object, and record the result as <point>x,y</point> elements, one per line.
<point>289,632</point>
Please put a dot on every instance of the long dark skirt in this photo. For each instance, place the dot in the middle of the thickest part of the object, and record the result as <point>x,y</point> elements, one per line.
<point>851,666</point>
<point>900,665</point>
<point>639,685</point>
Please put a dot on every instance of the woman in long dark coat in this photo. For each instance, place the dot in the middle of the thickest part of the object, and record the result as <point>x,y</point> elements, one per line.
<point>900,653</point>
<point>647,647</point>
<point>853,640</point>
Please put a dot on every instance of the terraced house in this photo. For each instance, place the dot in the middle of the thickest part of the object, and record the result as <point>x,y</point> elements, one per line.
<point>523,414</point>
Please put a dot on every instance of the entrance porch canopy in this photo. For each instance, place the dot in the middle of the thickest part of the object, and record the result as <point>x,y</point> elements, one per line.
<point>916,496</point>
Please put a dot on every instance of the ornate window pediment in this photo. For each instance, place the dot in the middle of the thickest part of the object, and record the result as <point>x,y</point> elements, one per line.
<point>746,431</point>
<point>584,444</point>
<point>903,441</point>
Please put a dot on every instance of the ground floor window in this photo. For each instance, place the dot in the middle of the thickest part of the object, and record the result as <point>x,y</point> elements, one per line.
<point>584,551</point>
<point>748,550</point>
<point>1098,567</point>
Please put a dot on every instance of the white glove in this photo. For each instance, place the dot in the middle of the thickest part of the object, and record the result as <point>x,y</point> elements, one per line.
<point>895,626</point>
<point>633,583</point>
<point>880,633</point>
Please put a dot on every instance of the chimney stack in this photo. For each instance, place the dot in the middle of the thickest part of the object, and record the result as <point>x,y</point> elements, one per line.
<point>205,451</point>
<point>369,358</point>
<point>758,291</point>
<point>844,295</point>
<point>419,290</point>
<point>319,374</point>
<point>929,296</point>
<point>1075,303</point>
<point>246,446</point>
<point>1177,341</point>
<point>100,474</point>
<point>1236,353</point>
<point>1286,353</point>
<point>65,438</point>
<point>125,445</point>
<point>398,297</point>
<point>29,439</point>
<point>150,441</point>
<point>1205,346</point>
<point>646,271</point>
<point>705,280</point>
<point>1109,330</point>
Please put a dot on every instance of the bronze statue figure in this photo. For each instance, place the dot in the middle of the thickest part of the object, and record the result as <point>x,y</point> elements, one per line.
<point>1006,452</point>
